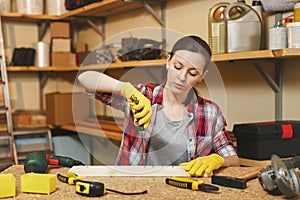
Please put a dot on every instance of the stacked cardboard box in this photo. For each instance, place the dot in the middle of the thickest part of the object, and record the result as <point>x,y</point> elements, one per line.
<point>66,108</point>
<point>61,53</point>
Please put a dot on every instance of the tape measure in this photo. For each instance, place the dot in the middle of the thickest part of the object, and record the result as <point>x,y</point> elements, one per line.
<point>89,188</point>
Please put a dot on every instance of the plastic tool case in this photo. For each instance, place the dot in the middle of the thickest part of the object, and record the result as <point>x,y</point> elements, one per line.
<point>260,140</point>
<point>74,4</point>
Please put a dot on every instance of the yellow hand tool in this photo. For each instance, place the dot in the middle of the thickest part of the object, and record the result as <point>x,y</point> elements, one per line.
<point>192,184</point>
<point>70,178</point>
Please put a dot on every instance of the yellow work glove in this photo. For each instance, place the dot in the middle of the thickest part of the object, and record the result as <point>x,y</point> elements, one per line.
<point>140,105</point>
<point>206,164</point>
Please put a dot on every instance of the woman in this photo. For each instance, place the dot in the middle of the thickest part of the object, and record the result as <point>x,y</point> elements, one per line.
<point>181,128</point>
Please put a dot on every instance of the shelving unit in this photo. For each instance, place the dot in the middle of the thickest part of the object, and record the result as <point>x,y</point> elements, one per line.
<point>257,58</point>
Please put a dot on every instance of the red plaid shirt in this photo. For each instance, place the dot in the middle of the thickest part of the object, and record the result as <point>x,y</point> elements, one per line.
<point>206,132</point>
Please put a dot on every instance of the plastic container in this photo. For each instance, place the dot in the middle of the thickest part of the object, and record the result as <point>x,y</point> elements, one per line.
<point>42,55</point>
<point>217,28</point>
<point>297,12</point>
<point>293,31</point>
<point>5,6</point>
<point>277,38</point>
<point>257,6</point>
<point>287,21</point>
<point>244,28</point>
<point>55,7</point>
<point>34,7</point>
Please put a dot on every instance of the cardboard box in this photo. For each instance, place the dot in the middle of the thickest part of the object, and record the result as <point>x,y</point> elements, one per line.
<point>81,46</point>
<point>66,108</point>
<point>63,59</point>
<point>60,30</point>
<point>60,45</point>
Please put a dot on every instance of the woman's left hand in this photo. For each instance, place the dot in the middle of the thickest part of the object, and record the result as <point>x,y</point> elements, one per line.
<point>206,164</point>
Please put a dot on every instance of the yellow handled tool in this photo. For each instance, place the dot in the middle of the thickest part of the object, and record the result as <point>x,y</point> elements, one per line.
<point>69,179</point>
<point>192,184</point>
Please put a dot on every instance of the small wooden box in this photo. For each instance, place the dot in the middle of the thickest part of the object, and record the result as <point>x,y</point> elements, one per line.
<point>8,185</point>
<point>38,183</point>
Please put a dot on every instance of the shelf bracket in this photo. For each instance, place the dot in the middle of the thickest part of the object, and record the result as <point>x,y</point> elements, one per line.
<point>159,19</point>
<point>275,84</point>
<point>43,78</point>
<point>42,29</point>
<point>267,77</point>
<point>101,31</point>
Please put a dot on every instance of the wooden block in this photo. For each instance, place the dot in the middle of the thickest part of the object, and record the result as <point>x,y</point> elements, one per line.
<point>8,186</point>
<point>38,183</point>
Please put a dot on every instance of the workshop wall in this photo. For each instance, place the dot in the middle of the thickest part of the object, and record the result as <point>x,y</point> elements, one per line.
<point>248,96</point>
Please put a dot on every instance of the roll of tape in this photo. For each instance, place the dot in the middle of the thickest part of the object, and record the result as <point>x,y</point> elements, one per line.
<point>42,56</point>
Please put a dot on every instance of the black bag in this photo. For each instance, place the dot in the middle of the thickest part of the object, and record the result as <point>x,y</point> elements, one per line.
<point>73,4</point>
<point>139,49</point>
<point>23,57</point>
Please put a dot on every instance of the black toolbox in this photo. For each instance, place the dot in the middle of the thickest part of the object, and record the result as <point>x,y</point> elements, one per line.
<point>259,141</point>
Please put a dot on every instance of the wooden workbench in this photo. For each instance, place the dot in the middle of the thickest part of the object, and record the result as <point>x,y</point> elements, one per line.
<point>156,187</point>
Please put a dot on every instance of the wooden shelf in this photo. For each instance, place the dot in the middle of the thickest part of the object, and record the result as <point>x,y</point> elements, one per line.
<point>118,65</point>
<point>251,55</point>
<point>101,128</point>
<point>103,8</point>
<point>262,54</point>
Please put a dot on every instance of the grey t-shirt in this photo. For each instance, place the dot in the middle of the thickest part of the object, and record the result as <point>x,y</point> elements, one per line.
<point>168,143</point>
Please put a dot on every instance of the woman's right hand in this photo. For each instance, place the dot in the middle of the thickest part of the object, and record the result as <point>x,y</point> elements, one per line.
<point>140,105</point>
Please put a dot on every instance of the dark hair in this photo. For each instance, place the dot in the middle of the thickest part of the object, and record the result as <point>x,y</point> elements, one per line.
<point>194,44</point>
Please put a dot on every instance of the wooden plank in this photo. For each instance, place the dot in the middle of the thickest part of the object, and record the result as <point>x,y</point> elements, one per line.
<point>262,54</point>
<point>254,163</point>
<point>287,53</point>
<point>119,65</point>
<point>113,171</point>
<point>126,64</point>
<point>27,17</point>
<point>105,125</point>
<point>94,132</point>
<point>102,9</point>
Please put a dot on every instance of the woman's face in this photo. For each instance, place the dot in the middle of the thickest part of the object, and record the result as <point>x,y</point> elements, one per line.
<point>185,70</point>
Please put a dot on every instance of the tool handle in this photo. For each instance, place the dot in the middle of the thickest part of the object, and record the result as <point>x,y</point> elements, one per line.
<point>249,175</point>
<point>180,184</point>
<point>62,160</point>
<point>59,160</point>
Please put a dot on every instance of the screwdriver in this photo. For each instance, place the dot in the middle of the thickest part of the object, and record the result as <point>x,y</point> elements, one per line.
<point>191,184</point>
<point>142,131</point>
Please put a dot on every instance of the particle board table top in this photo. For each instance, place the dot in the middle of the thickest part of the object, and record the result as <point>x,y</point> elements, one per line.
<point>156,187</point>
